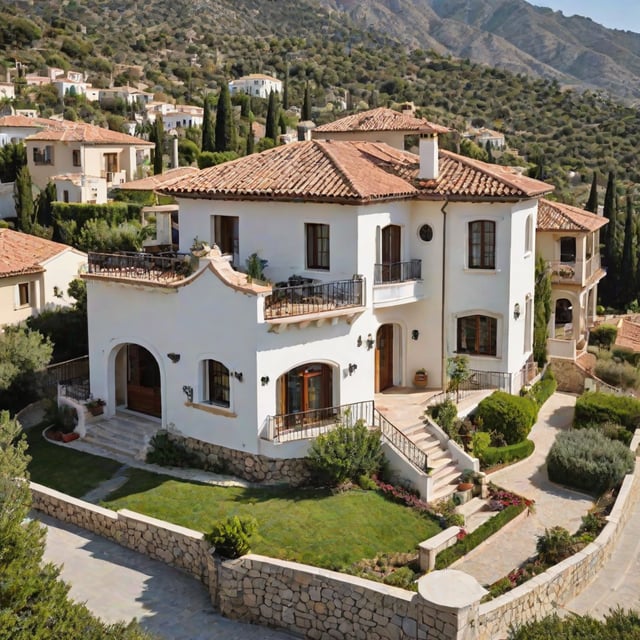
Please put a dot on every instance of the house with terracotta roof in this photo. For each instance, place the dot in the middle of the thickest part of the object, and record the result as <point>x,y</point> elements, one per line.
<point>34,274</point>
<point>568,238</point>
<point>83,160</point>
<point>376,263</point>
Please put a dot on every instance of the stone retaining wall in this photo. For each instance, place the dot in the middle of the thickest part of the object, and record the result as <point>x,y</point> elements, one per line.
<point>318,603</point>
<point>177,546</point>
<point>251,467</point>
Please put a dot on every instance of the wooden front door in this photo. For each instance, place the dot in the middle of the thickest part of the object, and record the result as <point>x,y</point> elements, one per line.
<point>384,357</point>
<point>143,382</point>
<point>391,253</point>
<point>306,391</point>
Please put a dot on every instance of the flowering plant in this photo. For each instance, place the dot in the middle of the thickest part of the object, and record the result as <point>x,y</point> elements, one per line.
<point>94,403</point>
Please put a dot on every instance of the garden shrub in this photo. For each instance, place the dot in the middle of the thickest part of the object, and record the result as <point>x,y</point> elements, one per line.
<point>473,539</point>
<point>587,460</point>
<point>403,577</point>
<point>231,536</point>
<point>604,335</point>
<point>346,453</point>
<point>612,430</point>
<point>445,414</point>
<point>480,442</point>
<point>626,355</point>
<point>542,390</point>
<point>597,407</point>
<point>168,453</point>
<point>554,545</point>
<point>492,456</point>
<point>509,416</point>
<point>618,374</point>
<point>447,514</point>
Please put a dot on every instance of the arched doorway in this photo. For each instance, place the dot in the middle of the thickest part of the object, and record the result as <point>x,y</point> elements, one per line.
<point>305,394</point>
<point>384,357</point>
<point>138,385</point>
<point>563,315</point>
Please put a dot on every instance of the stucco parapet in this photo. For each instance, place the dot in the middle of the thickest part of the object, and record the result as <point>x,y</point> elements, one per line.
<point>161,524</point>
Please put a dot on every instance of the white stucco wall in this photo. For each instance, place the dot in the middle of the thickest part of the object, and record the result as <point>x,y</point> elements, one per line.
<point>59,272</point>
<point>11,311</point>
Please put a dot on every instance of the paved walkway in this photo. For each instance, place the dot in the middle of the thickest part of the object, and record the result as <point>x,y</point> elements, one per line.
<point>510,547</point>
<point>120,584</point>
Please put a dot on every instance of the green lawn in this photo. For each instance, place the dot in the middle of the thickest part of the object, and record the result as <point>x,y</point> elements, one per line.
<point>306,525</point>
<point>64,469</point>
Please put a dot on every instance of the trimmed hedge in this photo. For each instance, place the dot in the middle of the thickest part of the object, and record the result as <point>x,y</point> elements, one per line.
<point>492,456</point>
<point>603,335</point>
<point>510,416</point>
<point>589,461</point>
<point>542,390</point>
<point>472,540</point>
<point>114,212</point>
<point>597,407</point>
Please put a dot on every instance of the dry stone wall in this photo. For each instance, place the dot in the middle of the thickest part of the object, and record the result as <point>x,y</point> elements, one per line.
<point>251,467</point>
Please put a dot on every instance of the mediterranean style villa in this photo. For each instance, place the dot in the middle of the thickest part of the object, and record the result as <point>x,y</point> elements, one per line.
<point>377,263</point>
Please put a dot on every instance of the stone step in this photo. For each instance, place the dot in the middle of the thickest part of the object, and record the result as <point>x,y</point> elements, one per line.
<point>443,492</point>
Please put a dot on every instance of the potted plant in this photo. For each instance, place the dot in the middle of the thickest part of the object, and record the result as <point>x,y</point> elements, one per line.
<point>95,406</point>
<point>420,379</point>
<point>199,248</point>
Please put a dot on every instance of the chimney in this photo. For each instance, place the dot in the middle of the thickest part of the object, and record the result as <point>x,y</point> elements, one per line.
<point>428,150</point>
<point>174,154</point>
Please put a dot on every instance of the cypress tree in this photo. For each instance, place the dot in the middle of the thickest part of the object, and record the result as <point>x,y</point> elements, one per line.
<point>23,198</point>
<point>271,125</point>
<point>208,133</point>
<point>250,139</point>
<point>45,200</point>
<point>225,129</point>
<point>306,104</point>
<point>282,123</point>
<point>541,310</point>
<point>627,267</point>
<point>158,138</point>
<point>609,285</point>
<point>285,90</point>
<point>592,202</point>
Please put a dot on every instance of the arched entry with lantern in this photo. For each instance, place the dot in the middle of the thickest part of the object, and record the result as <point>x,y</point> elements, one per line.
<point>138,380</point>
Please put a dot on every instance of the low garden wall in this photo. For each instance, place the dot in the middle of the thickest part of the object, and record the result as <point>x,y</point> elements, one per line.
<point>318,603</point>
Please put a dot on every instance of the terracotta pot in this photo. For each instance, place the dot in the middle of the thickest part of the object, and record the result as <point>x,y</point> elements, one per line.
<point>96,411</point>
<point>70,437</point>
<point>465,486</point>
<point>420,380</point>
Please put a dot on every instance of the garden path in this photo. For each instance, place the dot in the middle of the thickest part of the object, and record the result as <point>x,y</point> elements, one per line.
<point>554,505</point>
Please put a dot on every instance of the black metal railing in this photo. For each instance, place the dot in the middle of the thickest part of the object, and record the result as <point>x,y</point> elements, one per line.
<point>76,389</point>
<point>397,272</point>
<point>309,298</point>
<point>53,375</point>
<point>310,424</point>
<point>139,266</point>
<point>400,441</point>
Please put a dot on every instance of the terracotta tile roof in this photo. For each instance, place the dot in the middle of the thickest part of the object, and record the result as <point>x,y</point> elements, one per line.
<point>381,119</point>
<point>354,171</point>
<point>159,181</point>
<point>88,134</point>
<point>22,253</point>
<point>24,121</point>
<point>628,334</point>
<point>555,216</point>
<point>317,170</point>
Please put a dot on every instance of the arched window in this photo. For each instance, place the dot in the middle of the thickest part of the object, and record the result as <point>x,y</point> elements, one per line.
<point>477,335</point>
<point>482,244</point>
<point>215,387</point>
<point>528,234</point>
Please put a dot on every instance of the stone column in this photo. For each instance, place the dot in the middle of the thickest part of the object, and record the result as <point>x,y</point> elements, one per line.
<point>448,605</point>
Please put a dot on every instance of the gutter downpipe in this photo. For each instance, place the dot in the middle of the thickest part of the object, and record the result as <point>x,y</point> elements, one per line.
<point>443,351</point>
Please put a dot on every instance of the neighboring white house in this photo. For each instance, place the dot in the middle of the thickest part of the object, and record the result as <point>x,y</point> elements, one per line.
<point>381,262</point>
<point>568,238</point>
<point>184,116</point>
<point>483,136</point>
<point>34,274</point>
<point>130,95</point>
<point>16,128</point>
<point>256,84</point>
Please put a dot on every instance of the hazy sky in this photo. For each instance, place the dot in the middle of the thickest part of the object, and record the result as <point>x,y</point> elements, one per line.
<point>616,14</point>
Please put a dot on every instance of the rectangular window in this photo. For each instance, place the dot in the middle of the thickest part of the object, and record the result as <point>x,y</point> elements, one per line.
<point>567,249</point>
<point>317,246</point>
<point>76,157</point>
<point>482,244</point>
<point>477,335</point>
<point>226,236</point>
<point>216,383</point>
<point>24,297</point>
<point>111,162</point>
<point>43,155</point>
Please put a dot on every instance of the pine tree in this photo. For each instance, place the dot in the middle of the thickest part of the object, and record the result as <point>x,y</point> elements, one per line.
<point>225,128</point>
<point>208,132</point>
<point>158,138</point>
<point>592,202</point>
<point>271,125</point>
<point>306,104</point>
<point>627,266</point>
<point>23,198</point>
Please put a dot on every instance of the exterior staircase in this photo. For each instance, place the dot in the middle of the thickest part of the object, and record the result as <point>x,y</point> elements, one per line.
<point>121,437</point>
<point>445,471</point>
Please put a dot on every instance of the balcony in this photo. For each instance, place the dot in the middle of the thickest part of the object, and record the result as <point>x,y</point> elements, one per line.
<point>152,268</point>
<point>397,283</point>
<point>312,300</point>
<point>578,272</point>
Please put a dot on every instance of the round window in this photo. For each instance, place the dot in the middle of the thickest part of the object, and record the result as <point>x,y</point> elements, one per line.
<point>426,233</point>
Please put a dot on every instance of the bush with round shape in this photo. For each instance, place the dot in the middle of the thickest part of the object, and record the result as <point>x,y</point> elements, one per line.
<point>510,416</point>
<point>231,537</point>
<point>598,407</point>
<point>588,461</point>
